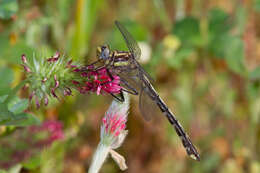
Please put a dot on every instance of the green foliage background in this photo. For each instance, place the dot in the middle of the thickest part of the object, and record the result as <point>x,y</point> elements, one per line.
<point>205,59</point>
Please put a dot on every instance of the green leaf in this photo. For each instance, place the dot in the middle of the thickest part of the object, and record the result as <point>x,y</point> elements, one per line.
<point>188,30</point>
<point>22,119</point>
<point>8,117</point>
<point>219,45</point>
<point>231,48</point>
<point>8,8</point>
<point>5,113</point>
<point>18,105</point>
<point>219,22</point>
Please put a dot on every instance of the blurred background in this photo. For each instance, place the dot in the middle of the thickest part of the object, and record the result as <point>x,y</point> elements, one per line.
<point>204,56</point>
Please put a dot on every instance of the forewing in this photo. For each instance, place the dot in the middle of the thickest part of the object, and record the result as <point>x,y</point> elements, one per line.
<point>130,41</point>
<point>143,72</point>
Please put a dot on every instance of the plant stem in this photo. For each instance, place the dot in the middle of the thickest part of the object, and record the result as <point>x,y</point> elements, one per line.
<point>99,158</point>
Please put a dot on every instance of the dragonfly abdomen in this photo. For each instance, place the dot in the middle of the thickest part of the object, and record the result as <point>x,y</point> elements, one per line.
<point>190,149</point>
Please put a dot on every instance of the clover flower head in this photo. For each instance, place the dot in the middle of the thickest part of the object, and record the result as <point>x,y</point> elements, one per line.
<point>114,123</point>
<point>99,81</point>
<point>112,136</point>
<point>56,76</point>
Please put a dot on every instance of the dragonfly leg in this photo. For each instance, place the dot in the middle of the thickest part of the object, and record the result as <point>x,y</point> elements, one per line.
<point>110,76</point>
<point>86,67</point>
<point>130,90</point>
<point>121,98</point>
<point>99,68</point>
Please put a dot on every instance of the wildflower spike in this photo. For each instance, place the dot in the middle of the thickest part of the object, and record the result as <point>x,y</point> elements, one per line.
<point>47,78</point>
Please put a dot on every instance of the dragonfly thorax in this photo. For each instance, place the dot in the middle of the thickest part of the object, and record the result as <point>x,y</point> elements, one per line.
<point>103,52</point>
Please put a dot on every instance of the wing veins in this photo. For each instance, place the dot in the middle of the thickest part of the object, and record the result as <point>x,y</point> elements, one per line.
<point>130,41</point>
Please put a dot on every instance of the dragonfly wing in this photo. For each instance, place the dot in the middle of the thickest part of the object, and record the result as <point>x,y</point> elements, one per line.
<point>147,105</point>
<point>143,72</point>
<point>143,106</point>
<point>131,77</point>
<point>130,41</point>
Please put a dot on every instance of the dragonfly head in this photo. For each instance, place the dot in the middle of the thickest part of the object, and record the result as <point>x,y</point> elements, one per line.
<point>103,52</point>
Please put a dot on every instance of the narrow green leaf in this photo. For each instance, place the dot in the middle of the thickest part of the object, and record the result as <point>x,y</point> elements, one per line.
<point>86,14</point>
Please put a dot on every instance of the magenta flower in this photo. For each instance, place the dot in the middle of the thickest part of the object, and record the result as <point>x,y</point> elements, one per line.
<point>56,76</point>
<point>52,128</point>
<point>99,82</point>
<point>29,142</point>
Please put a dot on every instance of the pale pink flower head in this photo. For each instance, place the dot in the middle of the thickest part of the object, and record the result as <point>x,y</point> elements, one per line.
<point>112,135</point>
<point>114,123</point>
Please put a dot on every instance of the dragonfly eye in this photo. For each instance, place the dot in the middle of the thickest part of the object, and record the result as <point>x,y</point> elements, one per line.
<point>105,52</point>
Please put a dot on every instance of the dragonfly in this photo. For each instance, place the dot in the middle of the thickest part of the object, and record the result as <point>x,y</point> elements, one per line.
<point>135,80</point>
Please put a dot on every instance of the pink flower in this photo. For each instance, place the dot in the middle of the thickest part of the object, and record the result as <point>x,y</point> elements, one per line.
<point>29,142</point>
<point>112,135</point>
<point>99,82</point>
<point>54,129</point>
<point>114,123</point>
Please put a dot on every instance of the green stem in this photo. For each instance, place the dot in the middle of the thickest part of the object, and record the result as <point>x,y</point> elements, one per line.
<point>99,158</point>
